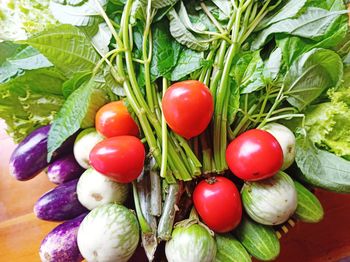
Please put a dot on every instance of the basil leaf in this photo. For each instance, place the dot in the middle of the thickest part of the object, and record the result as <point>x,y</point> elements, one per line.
<point>78,111</point>
<point>310,75</point>
<point>67,48</point>
<point>321,168</point>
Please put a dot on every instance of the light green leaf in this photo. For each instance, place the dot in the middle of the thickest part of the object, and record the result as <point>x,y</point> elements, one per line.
<point>312,24</point>
<point>273,65</point>
<point>78,111</point>
<point>75,82</point>
<point>289,10</point>
<point>189,62</point>
<point>225,6</point>
<point>183,15</point>
<point>321,168</point>
<point>310,75</point>
<point>179,31</point>
<point>248,72</point>
<point>67,48</point>
<point>100,36</point>
<point>82,13</point>
<point>160,3</point>
<point>30,101</point>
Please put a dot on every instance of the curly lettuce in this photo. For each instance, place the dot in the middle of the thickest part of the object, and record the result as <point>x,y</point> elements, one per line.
<point>328,124</point>
<point>20,19</point>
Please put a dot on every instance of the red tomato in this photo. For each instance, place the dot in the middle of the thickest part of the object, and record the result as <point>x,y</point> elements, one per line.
<point>120,158</point>
<point>254,155</point>
<point>113,119</point>
<point>188,107</point>
<point>218,203</point>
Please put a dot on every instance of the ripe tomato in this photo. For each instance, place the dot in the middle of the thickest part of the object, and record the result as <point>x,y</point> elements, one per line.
<point>188,107</point>
<point>254,155</point>
<point>218,203</point>
<point>113,119</point>
<point>120,158</point>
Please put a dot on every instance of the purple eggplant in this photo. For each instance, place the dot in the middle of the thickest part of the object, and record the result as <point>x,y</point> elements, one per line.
<point>60,245</point>
<point>30,156</point>
<point>60,203</point>
<point>64,169</point>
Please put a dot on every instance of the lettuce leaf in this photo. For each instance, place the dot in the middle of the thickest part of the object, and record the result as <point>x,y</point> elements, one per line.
<point>30,101</point>
<point>328,124</point>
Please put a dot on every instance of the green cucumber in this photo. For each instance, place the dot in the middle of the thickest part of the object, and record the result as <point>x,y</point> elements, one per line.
<point>309,208</point>
<point>229,249</point>
<point>260,241</point>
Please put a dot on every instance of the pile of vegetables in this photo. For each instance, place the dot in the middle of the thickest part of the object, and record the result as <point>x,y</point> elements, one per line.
<point>203,125</point>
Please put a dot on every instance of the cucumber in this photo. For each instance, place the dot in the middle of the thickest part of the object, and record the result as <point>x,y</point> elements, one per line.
<point>309,208</point>
<point>229,249</point>
<point>260,241</point>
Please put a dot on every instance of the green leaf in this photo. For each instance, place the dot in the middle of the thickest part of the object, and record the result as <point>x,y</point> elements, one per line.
<point>78,111</point>
<point>189,61</point>
<point>321,168</point>
<point>310,75</point>
<point>30,101</point>
<point>312,24</point>
<point>67,48</point>
<point>247,71</point>
<point>100,36</point>
<point>82,13</point>
<point>273,65</point>
<point>179,31</point>
<point>160,3</point>
<point>25,59</point>
<point>289,10</point>
<point>166,51</point>
<point>75,82</point>
<point>233,103</point>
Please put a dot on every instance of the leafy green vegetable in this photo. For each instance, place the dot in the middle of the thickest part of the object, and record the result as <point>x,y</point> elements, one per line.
<point>273,65</point>
<point>78,111</point>
<point>166,51</point>
<point>100,36</point>
<point>189,61</point>
<point>26,59</point>
<point>22,18</point>
<point>310,75</point>
<point>82,13</point>
<point>30,101</point>
<point>160,3</point>
<point>75,82</point>
<point>67,48</point>
<point>179,31</point>
<point>248,72</point>
<point>312,24</point>
<point>328,124</point>
<point>321,168</point>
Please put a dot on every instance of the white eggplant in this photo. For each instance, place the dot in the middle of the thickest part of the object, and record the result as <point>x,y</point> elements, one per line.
<point>191,242</point>
<point>286,139</point>
<point>84,143</point>
<point>271,201</point>
<point>108,233</point>
<point>95,189</point>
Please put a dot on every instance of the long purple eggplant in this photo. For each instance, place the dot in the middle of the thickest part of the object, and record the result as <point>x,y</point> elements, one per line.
<point>29,157</point>
<point>60,245</point>
<point>64,169</point>
<point>60,203</point>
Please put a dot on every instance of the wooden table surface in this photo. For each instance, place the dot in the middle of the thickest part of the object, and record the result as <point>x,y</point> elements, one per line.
<point>21,232</point>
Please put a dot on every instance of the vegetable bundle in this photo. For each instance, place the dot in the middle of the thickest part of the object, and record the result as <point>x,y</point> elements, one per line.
<point>188,101</point>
